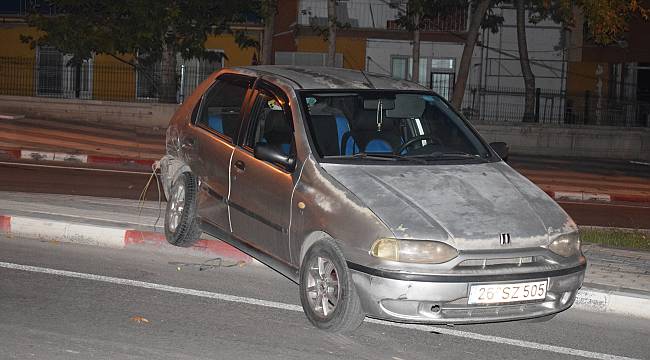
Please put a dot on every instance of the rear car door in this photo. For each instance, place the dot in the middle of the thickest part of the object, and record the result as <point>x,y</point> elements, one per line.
<point>260,195</point>
<point>217,126</point>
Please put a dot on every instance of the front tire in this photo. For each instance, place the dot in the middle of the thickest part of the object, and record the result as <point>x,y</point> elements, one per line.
<point>327,292</point>
<point>181,225</point>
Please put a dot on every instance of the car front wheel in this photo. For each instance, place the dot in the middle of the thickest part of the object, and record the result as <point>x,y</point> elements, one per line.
<point>327,292</point>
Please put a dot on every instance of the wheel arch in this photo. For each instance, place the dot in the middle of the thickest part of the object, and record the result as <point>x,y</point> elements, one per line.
<point>170,168</point>
<point>311,239</point>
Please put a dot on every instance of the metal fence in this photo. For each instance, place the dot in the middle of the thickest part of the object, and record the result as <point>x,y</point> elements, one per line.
<point>49,76</point>
<point>506,105</point>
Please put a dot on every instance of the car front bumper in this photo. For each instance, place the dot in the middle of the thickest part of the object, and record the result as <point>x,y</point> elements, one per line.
<point>443,300</point>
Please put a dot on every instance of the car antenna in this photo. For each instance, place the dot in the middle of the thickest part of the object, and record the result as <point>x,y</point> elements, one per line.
<point>367,79</point>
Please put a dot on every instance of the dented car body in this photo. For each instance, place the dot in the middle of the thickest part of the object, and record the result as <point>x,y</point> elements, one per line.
<point>372,194</point>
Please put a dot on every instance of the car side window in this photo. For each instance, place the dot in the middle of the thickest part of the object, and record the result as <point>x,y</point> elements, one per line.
<point>221,106</point>
<point>271,122</point>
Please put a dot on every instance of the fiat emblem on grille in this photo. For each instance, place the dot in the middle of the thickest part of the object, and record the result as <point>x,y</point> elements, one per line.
<point>504,239</point>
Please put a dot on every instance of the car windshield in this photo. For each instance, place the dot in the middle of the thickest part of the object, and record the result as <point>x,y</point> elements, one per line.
<point>379,125</point>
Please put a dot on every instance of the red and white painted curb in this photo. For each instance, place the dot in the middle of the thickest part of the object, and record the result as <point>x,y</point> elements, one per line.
<point>38,155</point>
<point>106,236</point>
<point>598,197</point>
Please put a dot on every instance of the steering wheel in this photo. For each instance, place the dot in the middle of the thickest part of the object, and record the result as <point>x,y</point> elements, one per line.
<point>412,141</point>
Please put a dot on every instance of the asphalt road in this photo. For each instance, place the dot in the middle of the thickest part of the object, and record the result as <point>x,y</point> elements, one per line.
<point>129,183</point>
<point>67,301</point>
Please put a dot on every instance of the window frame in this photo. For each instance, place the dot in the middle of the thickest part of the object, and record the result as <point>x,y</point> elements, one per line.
<point>251,119</point>
<point>315,151</point>
<point>196,114</point>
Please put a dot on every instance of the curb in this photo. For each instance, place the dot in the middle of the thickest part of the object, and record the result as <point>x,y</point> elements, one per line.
<point>38,155</point>
<point>614,301</point>
<point>106,236</point>
<point>598,197</point>
<point>605,300</point>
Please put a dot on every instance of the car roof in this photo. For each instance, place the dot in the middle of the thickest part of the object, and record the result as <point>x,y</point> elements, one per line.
<point>321,78</point>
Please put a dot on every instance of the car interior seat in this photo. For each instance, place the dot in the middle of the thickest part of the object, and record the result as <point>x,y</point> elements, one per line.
<point>277,131</point>
<point>333,135</point>
<point>373,139</point>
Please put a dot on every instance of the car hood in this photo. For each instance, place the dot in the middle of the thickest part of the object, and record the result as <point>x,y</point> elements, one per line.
<point>468,206</point>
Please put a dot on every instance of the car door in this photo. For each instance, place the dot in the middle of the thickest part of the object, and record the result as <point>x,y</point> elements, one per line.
<point>260,194</point>
<point>216,129</point>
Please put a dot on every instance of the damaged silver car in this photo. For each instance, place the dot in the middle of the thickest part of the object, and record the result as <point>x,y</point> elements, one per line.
<point>372,194</point>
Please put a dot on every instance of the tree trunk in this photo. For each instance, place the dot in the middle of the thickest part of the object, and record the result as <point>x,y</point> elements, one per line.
<point>269,25</point>
<point>529,77</point>
<point>167,88</point>
<point>466,60</point>
<point>331,36</point>
<point>415,77</point>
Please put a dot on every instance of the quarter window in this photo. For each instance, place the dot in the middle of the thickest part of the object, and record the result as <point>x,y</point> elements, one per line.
<point>221,107</point>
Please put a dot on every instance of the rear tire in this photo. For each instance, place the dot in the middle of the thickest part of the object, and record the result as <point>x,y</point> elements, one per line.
<point>327,292</point>
<point>181,224</point>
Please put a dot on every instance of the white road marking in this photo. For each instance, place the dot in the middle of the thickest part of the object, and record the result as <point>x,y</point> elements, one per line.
<point>291,307</point>
<point>74,168</point>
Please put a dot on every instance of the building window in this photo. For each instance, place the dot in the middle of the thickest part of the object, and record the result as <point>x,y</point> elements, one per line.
<point>443,76</point>
<point>401,66</point>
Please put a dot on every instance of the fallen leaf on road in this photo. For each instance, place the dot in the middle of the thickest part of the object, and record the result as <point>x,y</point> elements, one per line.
<point>55,242</point>
<point>139,319</point>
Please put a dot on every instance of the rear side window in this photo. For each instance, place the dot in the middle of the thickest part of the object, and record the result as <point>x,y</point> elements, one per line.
<point>220,110</point>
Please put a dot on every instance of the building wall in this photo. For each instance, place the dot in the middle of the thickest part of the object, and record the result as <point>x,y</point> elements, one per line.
<point>17,59</point>
<point>353,49</point>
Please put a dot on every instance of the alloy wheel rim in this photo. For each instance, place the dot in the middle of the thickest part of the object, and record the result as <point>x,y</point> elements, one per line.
<point>323,286</point>
<point>176,208</point>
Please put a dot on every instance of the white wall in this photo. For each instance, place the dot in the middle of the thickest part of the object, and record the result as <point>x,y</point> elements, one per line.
<point>493,68</point>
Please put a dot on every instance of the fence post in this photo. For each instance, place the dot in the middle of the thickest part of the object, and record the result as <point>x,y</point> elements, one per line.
<point>587,101</point>
<point>181,95</point>
<point>538,93</point>
<point>77,81</point>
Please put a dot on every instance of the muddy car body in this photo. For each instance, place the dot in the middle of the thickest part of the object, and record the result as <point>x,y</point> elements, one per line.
<point>371,193</point>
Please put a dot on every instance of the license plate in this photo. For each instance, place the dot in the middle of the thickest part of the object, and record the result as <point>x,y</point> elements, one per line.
<point>507,293</point>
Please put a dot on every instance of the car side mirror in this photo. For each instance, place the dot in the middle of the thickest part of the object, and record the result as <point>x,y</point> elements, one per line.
<point>270,153</point>
<point>502,149</point>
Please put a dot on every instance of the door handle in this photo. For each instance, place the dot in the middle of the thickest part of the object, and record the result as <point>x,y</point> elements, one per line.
<point>240,165</point>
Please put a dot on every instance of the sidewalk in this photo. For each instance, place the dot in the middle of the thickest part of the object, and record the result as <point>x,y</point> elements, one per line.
<point>616,281</point>
<point>73,142</point>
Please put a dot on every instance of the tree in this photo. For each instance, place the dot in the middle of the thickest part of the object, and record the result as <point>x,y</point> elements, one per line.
<point>412,19</point>
<point>480,9</point>
<point>332,24</point>
<point>526,71</point>
<point>138,32</point>
<point>269,9</point>
<point>606,21</point>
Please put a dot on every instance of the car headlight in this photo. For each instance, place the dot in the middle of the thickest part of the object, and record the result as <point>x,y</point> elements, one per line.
<point>566,245</point>
<point>413,251</point>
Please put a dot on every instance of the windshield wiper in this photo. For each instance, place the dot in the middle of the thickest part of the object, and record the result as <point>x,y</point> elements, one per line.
<point>376,156</point>
<point>448,155</point>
